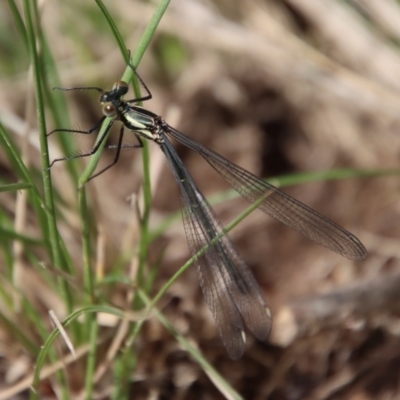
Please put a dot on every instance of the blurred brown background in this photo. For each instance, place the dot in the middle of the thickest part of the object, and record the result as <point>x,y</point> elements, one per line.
<point>277,87</point>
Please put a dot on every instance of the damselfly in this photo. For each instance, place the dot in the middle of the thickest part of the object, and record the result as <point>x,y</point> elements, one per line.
<point>229,288</point>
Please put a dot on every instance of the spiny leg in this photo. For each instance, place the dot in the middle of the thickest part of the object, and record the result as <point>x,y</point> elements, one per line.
<point>118,146</point>
<point>148,95</point>
<point>88,132</point>
<point>64,89</point>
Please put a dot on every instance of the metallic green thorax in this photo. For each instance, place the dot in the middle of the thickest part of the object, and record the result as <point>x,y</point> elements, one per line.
<point>142,122</point>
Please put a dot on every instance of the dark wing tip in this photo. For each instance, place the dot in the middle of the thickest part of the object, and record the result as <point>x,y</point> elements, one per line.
<point>357,251</point>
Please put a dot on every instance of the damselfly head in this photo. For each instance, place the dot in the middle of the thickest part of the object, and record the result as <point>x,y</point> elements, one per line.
<point>119,89</point>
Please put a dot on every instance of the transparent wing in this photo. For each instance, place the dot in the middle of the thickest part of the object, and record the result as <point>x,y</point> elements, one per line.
<point>279,205</point>
<point>229,288</point>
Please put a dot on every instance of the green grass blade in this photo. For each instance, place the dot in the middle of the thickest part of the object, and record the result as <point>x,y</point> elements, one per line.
<point>32,24</point>
<point>18,21</point>
<point>47,346</point>
<point>47,185</point>
<point>12,187</point>
<point>222,385</point>
<point>7,234</point>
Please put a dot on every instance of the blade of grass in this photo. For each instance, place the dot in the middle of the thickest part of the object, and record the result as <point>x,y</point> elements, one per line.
<point>15,186</point>
<point>128,76</point>
<point>18,21</point>
<point>135,59</point>
<point>18,165</point>
<point>32,21</point>
<point>90,298</point>
<point>35,198</point>
<point>9,234</point>
<point>57,105</point>
<point>126,360</point>
<point>30,13</point>
<point>47,346</point>
<point>222,385</point>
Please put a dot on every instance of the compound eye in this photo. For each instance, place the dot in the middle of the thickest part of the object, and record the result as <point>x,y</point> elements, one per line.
<point>121,88</point>
<point>109,110</point>
<point>120,85</point>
